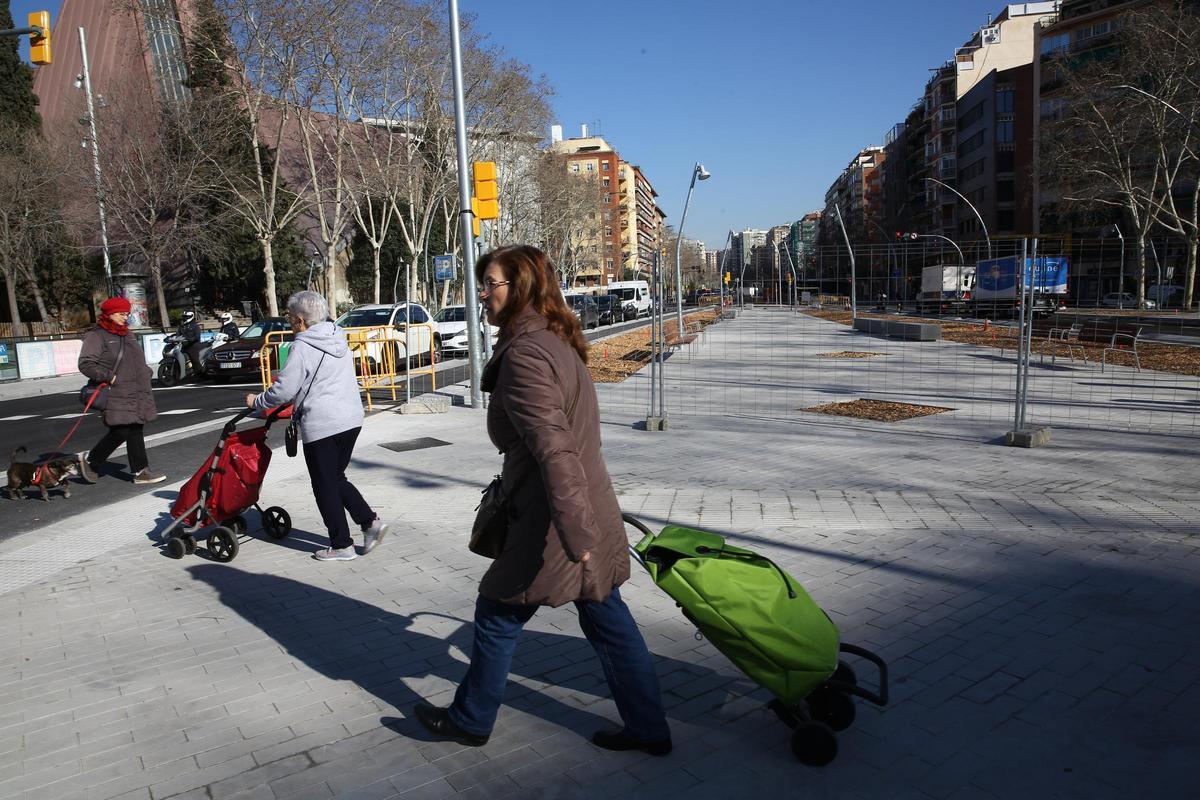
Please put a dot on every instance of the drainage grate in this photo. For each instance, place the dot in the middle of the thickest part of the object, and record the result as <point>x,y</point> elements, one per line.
<point>414,444</point>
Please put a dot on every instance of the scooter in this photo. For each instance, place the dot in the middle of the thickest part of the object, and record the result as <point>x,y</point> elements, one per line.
<point>175,366</point>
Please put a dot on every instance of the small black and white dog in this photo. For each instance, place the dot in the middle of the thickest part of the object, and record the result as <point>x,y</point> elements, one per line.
<point>54,474</point>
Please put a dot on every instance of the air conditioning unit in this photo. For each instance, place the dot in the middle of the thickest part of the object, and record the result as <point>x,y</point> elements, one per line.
<point>990,35</point>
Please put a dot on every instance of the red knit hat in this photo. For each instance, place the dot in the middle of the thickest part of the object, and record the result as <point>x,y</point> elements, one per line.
<point>115,305</point>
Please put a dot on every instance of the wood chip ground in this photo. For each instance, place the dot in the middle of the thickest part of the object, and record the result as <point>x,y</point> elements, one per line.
<point>877,410</point>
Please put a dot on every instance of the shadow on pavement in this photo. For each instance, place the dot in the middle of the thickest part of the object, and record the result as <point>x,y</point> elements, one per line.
<point>349,640</point>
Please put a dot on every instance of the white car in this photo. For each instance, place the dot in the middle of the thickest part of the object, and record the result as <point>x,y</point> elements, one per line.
<point>387,325</point>
<point>452,329</point>
<point>1124,300</point>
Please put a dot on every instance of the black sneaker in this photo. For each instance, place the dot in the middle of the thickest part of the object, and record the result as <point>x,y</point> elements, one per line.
<point>619,740</point>
<point>437,721</point>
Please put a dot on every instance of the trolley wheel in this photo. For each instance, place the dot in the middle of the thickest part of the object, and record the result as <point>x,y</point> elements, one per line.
<point>222,545</point>
<point>189,543</point>
<point>835,708</point>
<point>237,525</point>
<point>176,548</point>
<point>814,744</point>
<point>276,522</point>
<point>844,674</point>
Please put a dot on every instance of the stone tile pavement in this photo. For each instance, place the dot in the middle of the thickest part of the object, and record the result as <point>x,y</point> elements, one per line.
<point>1038,610</point>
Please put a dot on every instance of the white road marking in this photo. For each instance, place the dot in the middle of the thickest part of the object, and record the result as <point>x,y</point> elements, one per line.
<point>16,417</point>
<point>177,411</point>
<point>66,416</point>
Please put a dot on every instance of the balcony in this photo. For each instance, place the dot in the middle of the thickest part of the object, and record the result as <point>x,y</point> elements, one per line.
<point>947,168</point>
<point>946,117</point>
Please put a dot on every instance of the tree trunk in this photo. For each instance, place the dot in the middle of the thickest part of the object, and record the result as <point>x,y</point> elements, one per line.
<point>331,279</point>
<point>37,296</point>
<point>269,276</point>
<point>156,274</point>
<point>1140,262</point>
<point>375,254</point>
<point>10,284</point>
<point>1190,284</point>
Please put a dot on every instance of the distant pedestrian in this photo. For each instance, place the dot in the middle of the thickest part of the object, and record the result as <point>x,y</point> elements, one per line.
<point>110,355</point>
<point>566,541</point>
<point>319,380</point>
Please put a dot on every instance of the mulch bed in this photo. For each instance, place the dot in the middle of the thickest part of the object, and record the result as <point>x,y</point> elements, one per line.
<point>616,358</point>
<point>1156,356</point>
<point>877,410</point>
<point>850,354</point>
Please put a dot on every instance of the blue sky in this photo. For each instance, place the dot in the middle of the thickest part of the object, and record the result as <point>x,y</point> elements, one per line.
<point>773,96</point>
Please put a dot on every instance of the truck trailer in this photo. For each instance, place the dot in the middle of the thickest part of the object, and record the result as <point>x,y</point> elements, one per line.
<point>996,283</point>
<point>946,287</point>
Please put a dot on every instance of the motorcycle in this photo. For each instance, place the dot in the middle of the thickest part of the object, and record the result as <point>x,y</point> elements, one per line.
<point>175,366</point>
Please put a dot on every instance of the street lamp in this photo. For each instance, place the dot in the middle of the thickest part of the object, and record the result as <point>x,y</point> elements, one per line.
<point>84,81</point>
<point>978,216</point>
<point>701,173</point>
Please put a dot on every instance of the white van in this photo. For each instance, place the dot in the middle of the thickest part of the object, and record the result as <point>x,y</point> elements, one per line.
<point>635,297</point>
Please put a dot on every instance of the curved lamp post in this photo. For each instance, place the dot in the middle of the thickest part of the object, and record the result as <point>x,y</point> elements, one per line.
<point>697,172</point>
<point>978,216</point>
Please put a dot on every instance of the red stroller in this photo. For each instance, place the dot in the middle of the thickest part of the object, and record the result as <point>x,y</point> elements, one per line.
<point>224,488</point>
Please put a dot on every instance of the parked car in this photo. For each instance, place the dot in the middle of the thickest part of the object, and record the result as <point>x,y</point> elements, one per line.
<point>240,359</point>
<point>452,330</point>
<point>584,306</point>
<point>390,323</point>
<point>1125,300</point>
<point>1166,296</point>
<point>609,308</point>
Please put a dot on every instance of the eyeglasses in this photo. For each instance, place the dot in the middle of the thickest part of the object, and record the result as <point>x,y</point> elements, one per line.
<point>489,285</point>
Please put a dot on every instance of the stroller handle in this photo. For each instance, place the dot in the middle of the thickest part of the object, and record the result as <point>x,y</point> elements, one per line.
<point>231,426</point>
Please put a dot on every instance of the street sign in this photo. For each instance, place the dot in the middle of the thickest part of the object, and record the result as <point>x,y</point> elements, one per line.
<point>445,267</point>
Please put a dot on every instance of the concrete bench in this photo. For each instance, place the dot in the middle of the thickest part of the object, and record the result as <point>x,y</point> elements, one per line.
<point>895,329</point>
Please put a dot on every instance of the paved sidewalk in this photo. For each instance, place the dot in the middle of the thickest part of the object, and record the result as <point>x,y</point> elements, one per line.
<point>1038,610</point>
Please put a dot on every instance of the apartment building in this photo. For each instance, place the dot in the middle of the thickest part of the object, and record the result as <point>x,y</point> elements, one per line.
<point>593,157</point>
<point>639,228</point>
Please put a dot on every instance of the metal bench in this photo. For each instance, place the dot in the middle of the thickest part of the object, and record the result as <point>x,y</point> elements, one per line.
<point>1124,339</point>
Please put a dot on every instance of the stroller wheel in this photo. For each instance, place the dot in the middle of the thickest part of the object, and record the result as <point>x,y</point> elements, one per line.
<point>276,522</point>
<point>222,545</point>
<point>836,709</point>
<point>814,744</point>
<point>189,543</point>
<point>176,548</point>
<point>844,674</point>
<point>237,525</point>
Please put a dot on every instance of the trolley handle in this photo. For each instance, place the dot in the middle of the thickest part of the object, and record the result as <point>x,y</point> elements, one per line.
<point>231,426</point>
<point>879,699</point>
<point>637,523</point>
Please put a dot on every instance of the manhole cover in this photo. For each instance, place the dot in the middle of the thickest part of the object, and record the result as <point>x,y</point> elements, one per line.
<point>413,444</point>
<point>878,410</point>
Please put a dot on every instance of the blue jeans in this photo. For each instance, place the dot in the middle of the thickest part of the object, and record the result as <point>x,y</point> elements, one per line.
<point>613,633</point>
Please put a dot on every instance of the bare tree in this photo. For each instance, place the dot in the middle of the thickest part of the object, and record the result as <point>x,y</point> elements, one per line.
<point>571,206</point>
<point>28,210</point>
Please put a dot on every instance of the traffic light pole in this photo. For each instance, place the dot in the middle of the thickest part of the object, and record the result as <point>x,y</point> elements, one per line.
<point>465,215</point>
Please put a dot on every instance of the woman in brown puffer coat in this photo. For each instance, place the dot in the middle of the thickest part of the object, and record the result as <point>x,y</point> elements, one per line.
<point>130,400</point>
<point>566,541</point>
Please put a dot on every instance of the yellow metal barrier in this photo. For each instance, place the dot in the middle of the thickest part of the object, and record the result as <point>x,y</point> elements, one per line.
<point>375,350</point>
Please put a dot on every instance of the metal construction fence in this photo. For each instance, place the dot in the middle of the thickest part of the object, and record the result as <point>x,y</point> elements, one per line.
<point>1131,371</point>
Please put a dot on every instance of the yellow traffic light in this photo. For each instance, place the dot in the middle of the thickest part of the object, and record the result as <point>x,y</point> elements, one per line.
<point>727,277</point>
<point>475,218</point>
<point>39,46</point>
<point>486,191</point>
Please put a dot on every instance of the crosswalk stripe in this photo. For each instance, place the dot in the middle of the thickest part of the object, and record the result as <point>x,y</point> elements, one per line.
<point>177,411</point>
<point>65,416</point>
<point>16,417</point>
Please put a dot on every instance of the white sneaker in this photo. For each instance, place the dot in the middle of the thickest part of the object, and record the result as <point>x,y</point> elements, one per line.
<point>373,535</point>
<point>345,554</point>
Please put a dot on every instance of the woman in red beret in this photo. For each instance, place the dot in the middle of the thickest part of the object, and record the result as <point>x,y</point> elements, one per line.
<point>110,355</point>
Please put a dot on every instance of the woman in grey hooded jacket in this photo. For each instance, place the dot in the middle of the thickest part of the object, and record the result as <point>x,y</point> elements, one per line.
<point>319,381</point>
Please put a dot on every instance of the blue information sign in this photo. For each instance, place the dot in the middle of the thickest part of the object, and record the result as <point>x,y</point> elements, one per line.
<point>444,268</point>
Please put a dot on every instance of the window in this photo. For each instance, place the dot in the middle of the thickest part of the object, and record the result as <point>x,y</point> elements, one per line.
<point>604,166</point>
<point>1006,219</point>
<point>1005,192</point>
<point>972,144</point>
<point>574,168</point>
<point>1004,132</point>
<point>165,42</point>
<point>1004,100</point>
<point>974,170</point>
<point>1005,161</point>
<point>1055,45</point>
<point>1093,31</point>
<point>605,183</point>
<point>591,167</point>
<point>973,115</point>
<point>1053,109</point>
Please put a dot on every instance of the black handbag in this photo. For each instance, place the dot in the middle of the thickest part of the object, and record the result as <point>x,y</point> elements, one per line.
<point>291,435</point>
<point>490,529</point>
<point>99,388</point>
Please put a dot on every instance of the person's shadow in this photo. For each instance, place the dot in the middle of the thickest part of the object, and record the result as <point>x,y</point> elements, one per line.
<point>348,639</point>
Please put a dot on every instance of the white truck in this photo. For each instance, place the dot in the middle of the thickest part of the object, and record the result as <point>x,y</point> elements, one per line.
<point>635,297</point>
<point>946,287</point>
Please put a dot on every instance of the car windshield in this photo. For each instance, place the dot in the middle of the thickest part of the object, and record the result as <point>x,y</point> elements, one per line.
<point>605,300</point>
<point>577,300</point>
<point>368,317</point>
<point>264,326</point>
<point>624,294</point>
<point>452,314</point>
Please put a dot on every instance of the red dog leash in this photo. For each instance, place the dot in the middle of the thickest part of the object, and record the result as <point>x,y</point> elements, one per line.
<point>37,475</point>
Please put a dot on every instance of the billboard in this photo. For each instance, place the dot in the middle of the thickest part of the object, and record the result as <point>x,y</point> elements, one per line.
<point>997,278</point>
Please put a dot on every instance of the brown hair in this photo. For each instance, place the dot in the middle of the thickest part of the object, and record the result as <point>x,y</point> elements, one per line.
<point>533,283</point>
